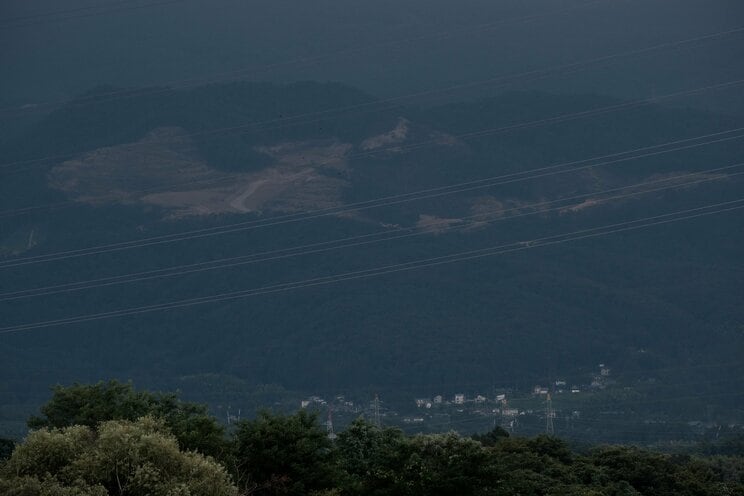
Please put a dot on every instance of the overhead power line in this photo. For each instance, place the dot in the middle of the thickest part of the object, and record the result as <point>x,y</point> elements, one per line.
<point>537,208</point>
<point>375,203</point>
<point>678,216</point>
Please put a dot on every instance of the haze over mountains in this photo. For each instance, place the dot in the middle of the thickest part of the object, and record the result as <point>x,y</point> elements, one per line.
<point>387,48</point>
<point>129,193</point>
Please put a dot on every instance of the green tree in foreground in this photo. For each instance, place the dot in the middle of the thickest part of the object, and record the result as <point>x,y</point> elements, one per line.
<point>444,464</point>
<point>90,442</point>
<point>372,458</point>
<point>124,458</point>
<point>87,405</point>
<point>492,437</point>
<point>386,462</point>
<point>279,454</point>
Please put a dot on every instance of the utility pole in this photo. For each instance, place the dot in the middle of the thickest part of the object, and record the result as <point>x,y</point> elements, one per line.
<point>549,414</point>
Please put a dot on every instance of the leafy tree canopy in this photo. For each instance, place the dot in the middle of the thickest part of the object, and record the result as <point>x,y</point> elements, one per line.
<point>372,457</point>
<point>291,454</point>
<point>87,405</point>
<point>88,444</point>
<point>125,458</point>
<point>492,437</point>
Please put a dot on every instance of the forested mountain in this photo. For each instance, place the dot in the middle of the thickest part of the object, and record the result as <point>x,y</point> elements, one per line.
<point>159,196</point>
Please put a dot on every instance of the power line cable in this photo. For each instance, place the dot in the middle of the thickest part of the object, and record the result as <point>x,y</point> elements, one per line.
<point>365,205</point>
<point>626,226</point>
<point>354,241</point>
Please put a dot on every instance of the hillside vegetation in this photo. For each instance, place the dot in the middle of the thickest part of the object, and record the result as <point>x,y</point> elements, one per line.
<point>660,304</point>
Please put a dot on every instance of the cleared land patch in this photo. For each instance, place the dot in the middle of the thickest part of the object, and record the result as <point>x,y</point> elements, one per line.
<point>164,170</point>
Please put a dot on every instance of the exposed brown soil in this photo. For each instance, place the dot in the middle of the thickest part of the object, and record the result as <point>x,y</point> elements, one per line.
<point>163,170</point>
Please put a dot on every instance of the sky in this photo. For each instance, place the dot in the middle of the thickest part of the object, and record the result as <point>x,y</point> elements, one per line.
<point>52,51</point>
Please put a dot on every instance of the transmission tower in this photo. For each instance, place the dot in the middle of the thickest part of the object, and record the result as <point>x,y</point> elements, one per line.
<point>376,406</point>
<point>329,424</point>
<point>232,418</point>
<point>549,415</point>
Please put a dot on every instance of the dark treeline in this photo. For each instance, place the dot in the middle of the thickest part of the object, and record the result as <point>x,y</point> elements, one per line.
<point>109,438</point>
